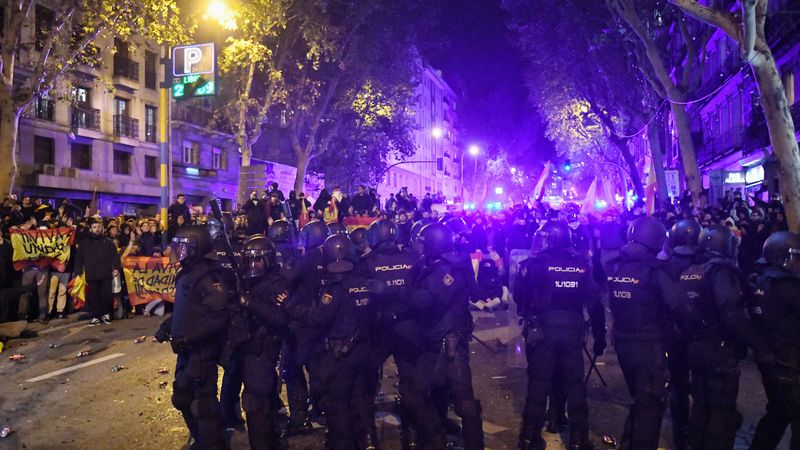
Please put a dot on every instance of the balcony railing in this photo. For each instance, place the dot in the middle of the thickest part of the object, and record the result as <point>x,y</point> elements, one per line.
<point>85,117</point>
<point>126,67</point>
<point>126,126</point>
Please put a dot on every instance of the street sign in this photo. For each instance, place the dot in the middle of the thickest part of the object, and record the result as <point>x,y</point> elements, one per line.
<point>194,71</point>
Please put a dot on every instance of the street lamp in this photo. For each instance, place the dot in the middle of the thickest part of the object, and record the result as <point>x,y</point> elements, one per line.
<point>221,12</point>
<point>437,133</point>
<point>474,150</point>
<point>513,170</point>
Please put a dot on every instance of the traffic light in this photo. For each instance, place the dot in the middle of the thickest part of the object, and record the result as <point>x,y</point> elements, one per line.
<point>567,166</point>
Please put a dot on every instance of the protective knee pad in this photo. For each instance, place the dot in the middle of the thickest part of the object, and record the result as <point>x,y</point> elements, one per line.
<point>181,399</point>
<point>205,407</point>
<point>253,404</point>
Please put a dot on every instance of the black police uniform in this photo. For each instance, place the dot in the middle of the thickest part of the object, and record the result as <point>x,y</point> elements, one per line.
<point>342,368</point>
<point>268,323</point>
<point>636,280</point>
<point>198,324</point>
<point>396,333</point>
<point>231,388</point>
<point>555,286</point>
<point>711,310</point>
<point>302,336</point>
<point>775,311</point>
<point>441,295</point>
<point>678,358</point>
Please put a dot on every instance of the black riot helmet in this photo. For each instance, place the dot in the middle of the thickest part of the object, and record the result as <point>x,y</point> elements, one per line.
<point>684,236</point>
<point>649,232</point>
<point>215,227</point>
<point>258,256</point>
<point>718,240</point>
<point>782,249</point>
<point>359,236</point>
<point>417,227</point>
<point>434,240</point>
<point>457,226</point>
<point>552,235</point>
<point>190,242</point>
<point>337,228</point>
<point>313,235</point>
<point>339,253</point>
<point>280,231</point>
<point>380,231</point>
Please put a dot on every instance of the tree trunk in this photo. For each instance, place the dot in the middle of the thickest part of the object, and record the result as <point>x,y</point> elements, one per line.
<point>656,149</point>
<point>631,162</point>
<point>247,150</point>
<point>300,177</point>
<point>782,137</point>
<point>9,123</point>
<point>690,170</point>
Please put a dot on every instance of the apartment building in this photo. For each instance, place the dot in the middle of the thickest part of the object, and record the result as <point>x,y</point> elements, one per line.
<point>436,165</point>
<point>731,134</point>
<point>98,136</point>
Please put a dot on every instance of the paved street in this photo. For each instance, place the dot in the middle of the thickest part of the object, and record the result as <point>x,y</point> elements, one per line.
<point>54,399</point>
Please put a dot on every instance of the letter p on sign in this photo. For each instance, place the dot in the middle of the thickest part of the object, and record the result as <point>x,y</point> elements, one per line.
<point>196,59</point>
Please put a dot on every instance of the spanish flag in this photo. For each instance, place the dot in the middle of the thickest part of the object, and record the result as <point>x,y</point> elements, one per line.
<point>331,212</point>
<point>304,217</point>
<point>539,189</point>
<point>650,192</point>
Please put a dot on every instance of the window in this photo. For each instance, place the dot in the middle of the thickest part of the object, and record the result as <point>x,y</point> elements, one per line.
<point>121,106</point>
<point>81,96</point>
<point>81,156</point>
<point>150,166</point>
<point>220,162</point>
<point>191,153</point>
<point>44,23</point>
<point>150,117</point>
<point>150,60</point>
<point>44,108</point>
<point>122,162</point>
<point>44,150</point>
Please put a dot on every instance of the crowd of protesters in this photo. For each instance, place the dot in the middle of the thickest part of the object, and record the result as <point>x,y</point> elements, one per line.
<point>494,233</point>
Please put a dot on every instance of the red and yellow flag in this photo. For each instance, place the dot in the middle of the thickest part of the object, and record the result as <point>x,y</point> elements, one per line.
<point>42,248</point>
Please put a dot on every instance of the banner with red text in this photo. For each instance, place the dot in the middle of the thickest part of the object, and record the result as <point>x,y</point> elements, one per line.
<point>149,279</point>
<point>42,248</point>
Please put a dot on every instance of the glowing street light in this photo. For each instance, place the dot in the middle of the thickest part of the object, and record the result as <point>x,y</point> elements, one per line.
<point>498,190</point>
<point>437,133</point>
<point>221,12</point>
<point>474,150</point>
<point>513,170</point>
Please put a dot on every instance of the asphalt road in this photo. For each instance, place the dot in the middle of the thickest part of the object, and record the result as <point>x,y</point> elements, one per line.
<point>56,400</point>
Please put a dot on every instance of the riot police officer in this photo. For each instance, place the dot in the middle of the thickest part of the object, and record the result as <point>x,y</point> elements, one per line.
<point>396,328</point>
<point>637,282</point>
<point>684,250</point>
<point>344,365</point>
<point>359,239</point>
<point>265,292</point>
<point>198,325</point>
<point>302,336</point>
<point>441,296</point>
<point>710,307</point>
<point>776,314</point>
<point>556,284</point>
<point>281,232</point>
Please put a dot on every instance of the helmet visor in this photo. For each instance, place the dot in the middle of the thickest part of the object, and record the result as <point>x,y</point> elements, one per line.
<point>793,262</point>
<point>254,262</point>
<point>540,241</point>
<point>181,249</point>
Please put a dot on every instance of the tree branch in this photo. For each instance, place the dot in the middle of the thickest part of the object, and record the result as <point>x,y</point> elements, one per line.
<point>720,19</point>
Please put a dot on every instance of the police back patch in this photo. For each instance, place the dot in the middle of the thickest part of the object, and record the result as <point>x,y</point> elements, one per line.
<point>448,280</point>
<point>327,299</point>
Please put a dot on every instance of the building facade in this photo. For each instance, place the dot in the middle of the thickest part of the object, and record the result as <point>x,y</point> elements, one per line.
<point>730,131</point>
<point>98,139</point>
<point>436,166</point>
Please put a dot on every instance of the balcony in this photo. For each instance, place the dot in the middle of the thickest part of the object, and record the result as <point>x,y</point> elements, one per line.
<point>756,136</point>
<point>721,146</point>
<point>85,117</point>
<point>125,67</point>
<point>126,127</point>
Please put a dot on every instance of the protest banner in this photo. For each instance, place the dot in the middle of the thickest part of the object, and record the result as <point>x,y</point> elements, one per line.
<point>42,248</point>
<point>149,279</point>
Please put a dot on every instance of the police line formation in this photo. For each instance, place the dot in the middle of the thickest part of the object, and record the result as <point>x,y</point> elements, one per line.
<point>336,307</point>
